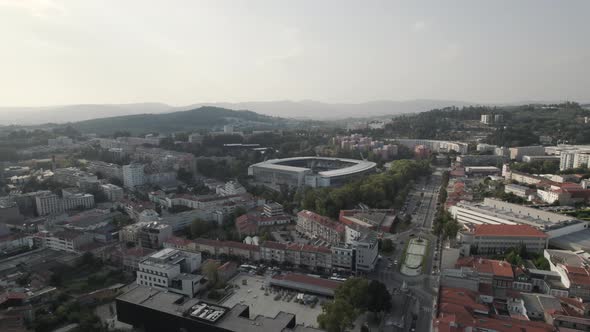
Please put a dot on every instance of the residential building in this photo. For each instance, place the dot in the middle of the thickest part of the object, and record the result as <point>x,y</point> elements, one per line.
<point>566,160</point>
<point>106,170</point>
<point>231,188</point>
<point>153,235</point>
<point>66,240</point>
<point>316,226</point>
<point>250,223</point>
<point>487,119</point>
<point>518,190</point>
<point>61,141</point>
<point>9,212</point>
<point>47,203</point>
<point>434,145</point>
<point>273,209</point>
<point>245,251</point>
<point>462,309</point>
<point>74,199</point>
<point>517,153</point>
<point>573,270</point>
<point>133,175</point>
<point>74,177</point>
<point>112,192</point>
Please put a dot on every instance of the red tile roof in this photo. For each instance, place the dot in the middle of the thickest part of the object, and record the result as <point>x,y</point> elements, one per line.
<point>274,245</point>
<point>325,221</point>
<point>508,230</point>
<point>460,310</point>
<point>178,241</point>
<point>489,266</point>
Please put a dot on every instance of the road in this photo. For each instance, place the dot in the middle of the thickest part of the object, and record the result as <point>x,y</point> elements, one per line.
<point>417,299</point>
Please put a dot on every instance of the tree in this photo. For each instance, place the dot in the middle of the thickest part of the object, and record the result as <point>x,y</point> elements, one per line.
<point>211,272</point>
<point>336,315</point>
<point>199,227</point>
<point>354,291</point>
<point>379,298</point>
<point>387,246</point>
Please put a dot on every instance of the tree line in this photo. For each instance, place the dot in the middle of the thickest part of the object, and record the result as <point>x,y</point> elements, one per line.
<point>383,190</point>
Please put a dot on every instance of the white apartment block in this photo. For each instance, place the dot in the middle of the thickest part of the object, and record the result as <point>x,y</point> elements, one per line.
<point>67,240</point>
<point>77,201</point>
<point>566,160</point>
<point>47,203</point>
<point>517,153</point>
<point>133,175</point>
<point>230,188</point>
<point>486,119</point>
<point>112,192</point>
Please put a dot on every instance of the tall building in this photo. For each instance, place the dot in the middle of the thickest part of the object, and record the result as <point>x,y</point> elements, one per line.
<point>133,175</point>
<point>112,192</point>
<point>486,119</point>
<point>47,203</point>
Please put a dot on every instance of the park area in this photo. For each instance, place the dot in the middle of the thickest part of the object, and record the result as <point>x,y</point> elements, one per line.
<point>414,257</point>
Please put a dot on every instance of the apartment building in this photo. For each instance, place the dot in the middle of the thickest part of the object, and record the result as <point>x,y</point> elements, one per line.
<point>517,153</point>
<point>153,235</point>
<point>47,203</point>
<point>66,240</point>
<point>112,192</point>
<point>230,188</point>
<point>107,170</point>
<point>133,175</point>
<point>317,226</point>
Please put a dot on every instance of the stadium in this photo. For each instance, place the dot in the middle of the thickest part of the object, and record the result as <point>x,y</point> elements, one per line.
<point>309,171</point>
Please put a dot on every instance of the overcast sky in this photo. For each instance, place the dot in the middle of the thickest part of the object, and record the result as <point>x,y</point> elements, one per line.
<point>180,52</point>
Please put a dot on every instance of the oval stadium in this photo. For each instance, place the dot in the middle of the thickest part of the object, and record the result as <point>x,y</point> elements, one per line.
<point>309,171</point>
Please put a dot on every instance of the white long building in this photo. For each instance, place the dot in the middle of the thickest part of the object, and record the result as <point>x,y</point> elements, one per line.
<point>497,212</point>
<point>434,145</point>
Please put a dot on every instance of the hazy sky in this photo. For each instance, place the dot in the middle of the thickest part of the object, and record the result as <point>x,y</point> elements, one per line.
<point>181,52</point>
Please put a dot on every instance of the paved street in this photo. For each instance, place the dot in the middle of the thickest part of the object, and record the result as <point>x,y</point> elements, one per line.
<point>418,299</point>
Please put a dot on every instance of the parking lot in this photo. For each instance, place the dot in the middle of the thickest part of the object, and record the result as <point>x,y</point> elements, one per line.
<point>263,302</point>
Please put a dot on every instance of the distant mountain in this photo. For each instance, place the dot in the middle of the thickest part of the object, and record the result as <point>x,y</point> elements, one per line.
<point>71,113</point>
<point>330,111</point>
<point>288,109</point>
<point>202,117</point>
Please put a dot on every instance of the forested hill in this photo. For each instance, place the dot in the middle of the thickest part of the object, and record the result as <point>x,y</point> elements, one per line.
<point>521,125</point>
<point>202,117</point>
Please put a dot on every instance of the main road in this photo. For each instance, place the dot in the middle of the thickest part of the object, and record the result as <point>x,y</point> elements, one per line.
<point>413,297</point>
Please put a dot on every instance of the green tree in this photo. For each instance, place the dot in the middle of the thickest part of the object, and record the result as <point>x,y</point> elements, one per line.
<point>379,299</point>
<point>387,245</point>
<point>199,227</point>
<point>210,269</point>
<point>354,291</point>
<point>336,315</point>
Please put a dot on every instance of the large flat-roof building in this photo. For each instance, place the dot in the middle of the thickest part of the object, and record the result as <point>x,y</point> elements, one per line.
<point>497,212</point>
<point>496,239</point>
<point>309,171</point>
<point>155,310</point>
